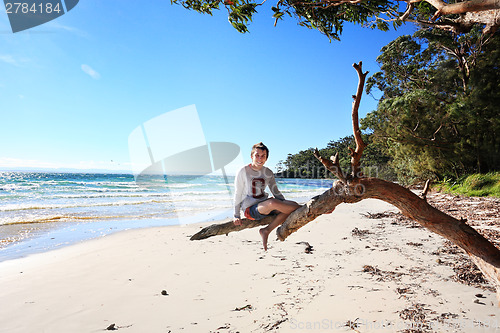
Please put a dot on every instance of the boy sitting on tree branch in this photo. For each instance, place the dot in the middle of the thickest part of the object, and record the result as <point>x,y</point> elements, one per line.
<point>250,195</point>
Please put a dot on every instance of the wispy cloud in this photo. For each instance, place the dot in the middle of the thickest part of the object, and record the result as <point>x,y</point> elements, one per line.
<point>73,30</point>
<point>9,59</point>
<point>14,61</point>
<point>61,26</point>
<point>91,72</point>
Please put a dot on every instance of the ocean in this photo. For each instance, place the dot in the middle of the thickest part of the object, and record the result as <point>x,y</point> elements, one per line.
<point>43,211</point>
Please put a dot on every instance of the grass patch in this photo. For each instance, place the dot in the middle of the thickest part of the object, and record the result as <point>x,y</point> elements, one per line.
<point>475,185</point>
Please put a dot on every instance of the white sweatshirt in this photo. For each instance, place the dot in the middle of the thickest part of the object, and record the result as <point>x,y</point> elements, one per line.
<point>250,188</point>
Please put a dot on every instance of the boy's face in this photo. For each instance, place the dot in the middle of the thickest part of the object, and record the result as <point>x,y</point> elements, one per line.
<point>259,157</point>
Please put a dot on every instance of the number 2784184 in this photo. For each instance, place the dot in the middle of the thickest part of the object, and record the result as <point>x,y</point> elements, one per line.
<point>27,8</point>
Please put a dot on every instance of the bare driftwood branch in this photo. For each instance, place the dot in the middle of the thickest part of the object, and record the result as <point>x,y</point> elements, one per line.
<point>229,226</point>
<point>426,189</point>
<point>332,165</point>
<point>360,144</point>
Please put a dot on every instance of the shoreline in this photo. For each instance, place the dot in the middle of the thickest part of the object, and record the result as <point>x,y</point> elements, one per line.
<point>364,274</point>
<point>68,208</point>
<point>31,238</point>
<point>47,237</point>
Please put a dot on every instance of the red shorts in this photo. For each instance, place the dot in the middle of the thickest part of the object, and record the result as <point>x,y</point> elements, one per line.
<point>252,213</point>
<point>247,214</point>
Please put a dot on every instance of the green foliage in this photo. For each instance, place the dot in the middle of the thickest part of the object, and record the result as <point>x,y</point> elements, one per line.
<point>240,11</point>
<point>302,165</point>
<point>477,185</point>
<point>438,115</point>
<point>241,15</point>
<point>328,18</point>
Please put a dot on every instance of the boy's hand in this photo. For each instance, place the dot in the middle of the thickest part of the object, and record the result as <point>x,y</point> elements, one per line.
<point>237,221</point>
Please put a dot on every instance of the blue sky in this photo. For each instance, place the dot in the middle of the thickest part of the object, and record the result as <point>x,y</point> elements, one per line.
<point>72,90</point>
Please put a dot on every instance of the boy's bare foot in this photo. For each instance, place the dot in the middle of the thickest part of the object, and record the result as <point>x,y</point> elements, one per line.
<point>264,234</point>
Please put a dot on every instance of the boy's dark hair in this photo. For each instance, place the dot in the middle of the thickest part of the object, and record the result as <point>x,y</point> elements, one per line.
<point>262,146</point>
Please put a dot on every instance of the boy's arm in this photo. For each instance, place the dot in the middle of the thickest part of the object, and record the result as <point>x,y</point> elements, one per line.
<point>274,188</point>
<point>239,183</point>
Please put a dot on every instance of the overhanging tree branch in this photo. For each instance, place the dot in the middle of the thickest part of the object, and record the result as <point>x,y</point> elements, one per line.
<point>329,16</point>
<point>444,8</point>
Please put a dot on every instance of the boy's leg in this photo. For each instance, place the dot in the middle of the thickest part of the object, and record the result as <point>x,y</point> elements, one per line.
<point>264,232</point>
<point>284,207</point>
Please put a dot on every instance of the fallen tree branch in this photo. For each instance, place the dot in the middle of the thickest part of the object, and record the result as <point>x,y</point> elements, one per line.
<point>356,188</point>
<point>227,227</point>
<point>484,254</point>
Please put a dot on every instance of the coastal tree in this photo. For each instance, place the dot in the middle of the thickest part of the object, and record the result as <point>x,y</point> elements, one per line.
<point>329,16</point>
<point>438,113</point>
<point>354,187</point>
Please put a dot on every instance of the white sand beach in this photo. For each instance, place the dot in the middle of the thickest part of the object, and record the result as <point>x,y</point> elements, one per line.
<point>363,275</point>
